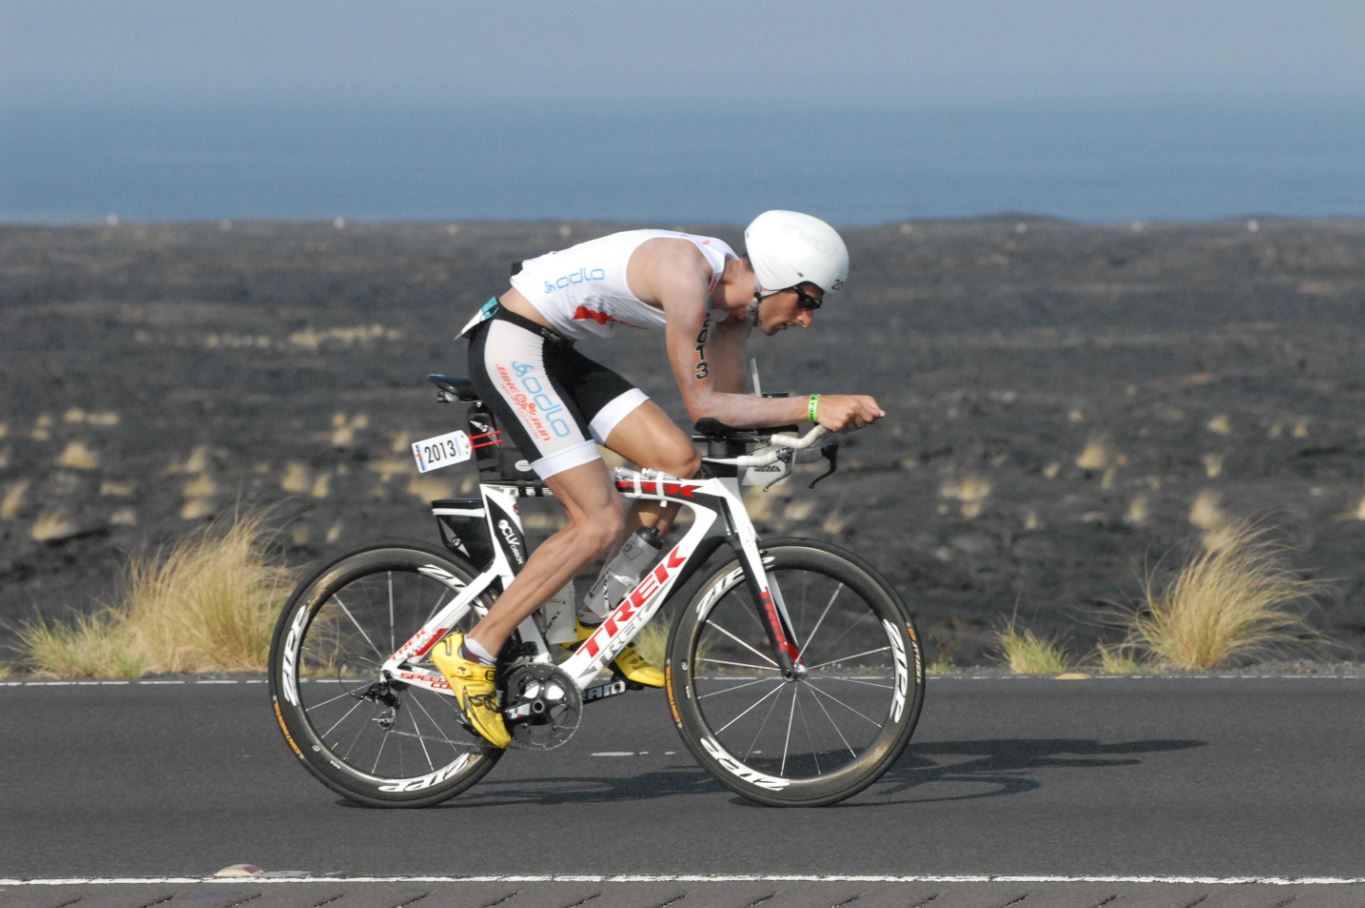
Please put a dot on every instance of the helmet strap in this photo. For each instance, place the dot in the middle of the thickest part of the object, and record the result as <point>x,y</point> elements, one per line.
<point>753,309</point>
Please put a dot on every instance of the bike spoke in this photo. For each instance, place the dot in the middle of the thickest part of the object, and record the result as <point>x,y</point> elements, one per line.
<point>731,689</point>
<point>354,741</point>
<point>823,693</point>
<point>820,621</point>
<point>713,624</point>
<point>342,719</point>
<point>393,644</point>
<point>382,741</point>
<point>347,611</point>
<point>884,649</point>
<point>814,750</point>
<point>454,745</point>
<point>755,704</point>
<point>762,725</point>
<point>851,628</point>
<point>421,740</point>
<point>440,602</point>
<point>835,725</point>
<point>857,681</point>
<point>343,694</point>
<point>761,668</point>
<point>787,744</point>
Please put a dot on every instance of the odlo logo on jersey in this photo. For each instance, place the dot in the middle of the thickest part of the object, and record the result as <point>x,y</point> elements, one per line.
<point>582,275</point>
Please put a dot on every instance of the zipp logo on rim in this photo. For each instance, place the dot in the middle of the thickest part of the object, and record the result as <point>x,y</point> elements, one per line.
<point>289,664</point>
<point>430,779</point>
<point>902,671</point>
<point>439,573</point>
<point>739,770</point>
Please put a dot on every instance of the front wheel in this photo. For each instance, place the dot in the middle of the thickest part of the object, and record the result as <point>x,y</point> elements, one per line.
<point>830,729</point>
<point>375,740</point>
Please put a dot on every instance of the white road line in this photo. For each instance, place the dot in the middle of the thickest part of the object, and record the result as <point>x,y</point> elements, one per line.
<point>1112,679</point>
<point>707,878</point>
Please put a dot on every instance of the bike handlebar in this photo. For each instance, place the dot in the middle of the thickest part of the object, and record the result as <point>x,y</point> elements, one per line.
<point>778,442</point>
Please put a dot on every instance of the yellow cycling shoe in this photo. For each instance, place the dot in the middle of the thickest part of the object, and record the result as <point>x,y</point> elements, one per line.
<point>472,683</point>
<point>629,663</point>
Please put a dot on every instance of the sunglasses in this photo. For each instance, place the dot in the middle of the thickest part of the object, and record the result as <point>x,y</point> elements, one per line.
<point>804,300</point>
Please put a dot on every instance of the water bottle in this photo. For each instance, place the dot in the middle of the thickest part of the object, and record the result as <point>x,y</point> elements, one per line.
<point>623,573</point>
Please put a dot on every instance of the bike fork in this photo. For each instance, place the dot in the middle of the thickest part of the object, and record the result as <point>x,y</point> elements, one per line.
<point>772,611</point>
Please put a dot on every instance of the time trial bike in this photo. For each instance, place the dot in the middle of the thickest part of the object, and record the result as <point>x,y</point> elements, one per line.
<point>793,671</point>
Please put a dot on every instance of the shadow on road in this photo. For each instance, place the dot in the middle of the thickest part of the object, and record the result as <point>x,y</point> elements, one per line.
<point>991,768</point>
<point>1006,766</point>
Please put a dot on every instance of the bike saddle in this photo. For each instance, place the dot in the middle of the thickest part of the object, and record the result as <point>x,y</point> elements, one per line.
<point>458,387</point>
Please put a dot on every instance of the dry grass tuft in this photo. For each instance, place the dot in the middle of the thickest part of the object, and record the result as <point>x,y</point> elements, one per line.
<point>13,500</point>
<point>1220,425</point>
<point>1358,513</point>
<point>1226,601</point>
<point>1096,455</point>
<point>296,477</point>
<point>77,456</point>
<point>971,490</point>
<point>1119,660</point>
<point>207,603</point>
<point>1207,511</point>
<point>652,642</point>
<point>1028,654</point>
<point>51,526</point>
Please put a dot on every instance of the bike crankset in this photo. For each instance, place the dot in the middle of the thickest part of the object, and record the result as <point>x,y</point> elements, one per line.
<point>543,706</point>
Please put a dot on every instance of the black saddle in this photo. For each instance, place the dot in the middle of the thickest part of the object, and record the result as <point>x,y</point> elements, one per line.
<point>453,387</point>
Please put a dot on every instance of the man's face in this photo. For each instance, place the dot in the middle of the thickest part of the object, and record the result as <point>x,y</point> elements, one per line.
<point>789,308</point>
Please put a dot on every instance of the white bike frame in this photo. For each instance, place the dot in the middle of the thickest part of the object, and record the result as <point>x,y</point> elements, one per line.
<point>718,513</point>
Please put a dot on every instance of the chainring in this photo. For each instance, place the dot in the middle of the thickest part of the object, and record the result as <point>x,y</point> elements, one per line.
<point>543,706</point>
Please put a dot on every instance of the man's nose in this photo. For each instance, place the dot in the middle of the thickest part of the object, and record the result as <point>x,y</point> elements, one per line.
<point>805,318</point>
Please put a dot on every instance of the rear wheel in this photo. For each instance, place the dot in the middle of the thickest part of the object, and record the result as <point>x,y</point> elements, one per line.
<point>375,740</point>
<point>831,728</point>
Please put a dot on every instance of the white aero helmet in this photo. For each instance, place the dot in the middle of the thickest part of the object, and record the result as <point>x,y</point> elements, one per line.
<point>787,248</point>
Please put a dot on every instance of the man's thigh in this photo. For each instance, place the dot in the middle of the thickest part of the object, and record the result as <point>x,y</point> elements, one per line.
<point>648,438</point>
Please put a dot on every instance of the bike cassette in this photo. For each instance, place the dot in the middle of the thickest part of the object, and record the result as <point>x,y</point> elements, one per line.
<point>543,706</point>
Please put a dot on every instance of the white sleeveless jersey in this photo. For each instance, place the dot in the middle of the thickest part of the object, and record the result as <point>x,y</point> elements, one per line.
<point>582,290</point>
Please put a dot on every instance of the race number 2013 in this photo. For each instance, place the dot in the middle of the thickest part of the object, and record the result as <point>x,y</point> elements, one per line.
<point>441,451</point>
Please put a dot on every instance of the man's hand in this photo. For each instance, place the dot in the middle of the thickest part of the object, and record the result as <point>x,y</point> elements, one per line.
<point>841,412</point>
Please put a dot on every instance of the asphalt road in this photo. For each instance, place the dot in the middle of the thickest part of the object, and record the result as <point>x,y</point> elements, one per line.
<point>1207,778</point>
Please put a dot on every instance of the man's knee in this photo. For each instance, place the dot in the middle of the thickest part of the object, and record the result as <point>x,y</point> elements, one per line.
<point>682,461</point>
<point>600,531</point>
<point>690,465</point>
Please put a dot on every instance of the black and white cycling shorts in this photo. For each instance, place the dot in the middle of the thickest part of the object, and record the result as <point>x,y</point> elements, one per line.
<point>556,403</point>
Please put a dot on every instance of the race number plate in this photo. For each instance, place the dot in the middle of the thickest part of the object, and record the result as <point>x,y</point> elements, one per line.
<point>441,451</point>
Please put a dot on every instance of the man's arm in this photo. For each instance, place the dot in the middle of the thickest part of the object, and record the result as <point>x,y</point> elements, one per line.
<point>708,358</point>
<point>708,364</point>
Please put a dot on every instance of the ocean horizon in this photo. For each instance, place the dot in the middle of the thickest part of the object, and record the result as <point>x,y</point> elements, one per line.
<point>1087,163</point>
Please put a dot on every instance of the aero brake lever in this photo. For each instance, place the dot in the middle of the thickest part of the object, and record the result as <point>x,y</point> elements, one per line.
<point>831,453</point>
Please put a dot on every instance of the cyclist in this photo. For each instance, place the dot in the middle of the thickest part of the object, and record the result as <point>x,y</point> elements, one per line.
<point>557,403</point>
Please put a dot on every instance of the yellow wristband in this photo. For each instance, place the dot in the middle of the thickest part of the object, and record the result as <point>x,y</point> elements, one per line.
<point>811,408</point>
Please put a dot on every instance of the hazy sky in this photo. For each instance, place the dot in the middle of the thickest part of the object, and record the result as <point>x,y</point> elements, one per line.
<point>794,52</point>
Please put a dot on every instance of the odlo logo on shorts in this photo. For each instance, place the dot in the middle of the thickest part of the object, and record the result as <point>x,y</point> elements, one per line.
<point>539,408</point>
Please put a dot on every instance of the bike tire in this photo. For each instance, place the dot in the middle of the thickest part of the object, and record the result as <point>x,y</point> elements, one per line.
<point>842,724</point>
<point>323,676</point>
